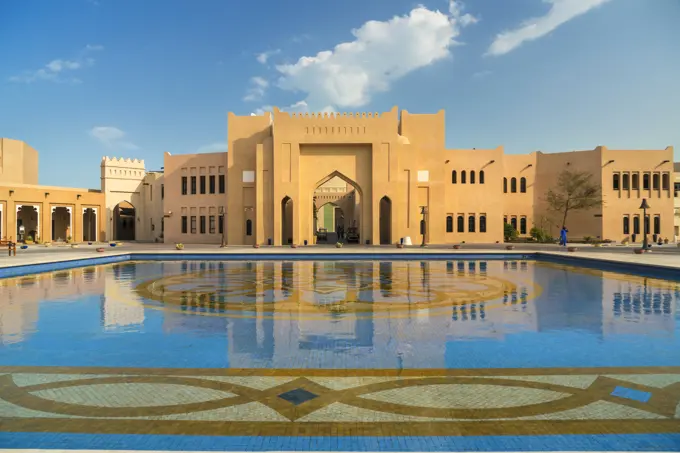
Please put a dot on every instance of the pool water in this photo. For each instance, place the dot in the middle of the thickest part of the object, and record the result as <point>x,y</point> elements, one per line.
<point>339,349</point>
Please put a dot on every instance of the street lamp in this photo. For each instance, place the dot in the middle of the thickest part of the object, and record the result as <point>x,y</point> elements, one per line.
<point>221,211</point>
<point>423,224</point>
<point>644,206</point>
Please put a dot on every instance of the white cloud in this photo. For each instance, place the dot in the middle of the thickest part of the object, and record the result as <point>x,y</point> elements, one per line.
<point>561,11</point>
<point>112,137</point>
<point>381,53</point>
<point>298,107</point>
<point>57,70</point>
<point>217,147</point>
<point>258,87</point>
<point>265,56</point>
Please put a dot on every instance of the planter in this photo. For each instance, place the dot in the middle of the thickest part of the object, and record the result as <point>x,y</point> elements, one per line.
<point>597,245</point>
<point>293,246</point>
<point>100,249</point>
<point>638,251</point>
<point>23,247</point>
<point>572,249</point>
<point>457,246</point>
<point>179,246</point>
<point>47,244</point>
<point>89,243</point>
<point>338,245</point>
<point>256,246</point>
<point>400,246</point>
<point>74,246</point>
<point>509,247</point>
<point>112,244</point>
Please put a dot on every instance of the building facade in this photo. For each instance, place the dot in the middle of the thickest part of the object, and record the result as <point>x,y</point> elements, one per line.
<point>271,187</point>
<point>29,211</point>
<point>375,178</point>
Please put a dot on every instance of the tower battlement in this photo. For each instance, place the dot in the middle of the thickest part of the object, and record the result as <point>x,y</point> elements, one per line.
<point>122,162</point>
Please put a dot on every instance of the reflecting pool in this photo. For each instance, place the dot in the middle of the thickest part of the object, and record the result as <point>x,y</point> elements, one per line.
<point>340,348</point>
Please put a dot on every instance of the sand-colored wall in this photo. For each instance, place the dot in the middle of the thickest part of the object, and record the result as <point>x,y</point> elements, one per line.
<point>18,162</point>
<point>176,205</point>
<point>44,199</point>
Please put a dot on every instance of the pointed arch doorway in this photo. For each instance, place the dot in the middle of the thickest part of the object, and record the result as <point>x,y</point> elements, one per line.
<point>385,220</point>
<point>287,220</point>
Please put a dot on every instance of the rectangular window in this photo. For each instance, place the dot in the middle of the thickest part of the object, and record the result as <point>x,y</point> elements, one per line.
<point>676,188</point>
<point>645,181</point>
<point>153,227</point>
<point>184,224</point>
<point>162,224</point>
<point>636,224</point>
<point>151,193</point>
<point>222,184</point>
<point>202,224</point>
<point>626,181</point>
<point>202,184</point>
<point>184,185</point>
<point>626,224</point>
<point>193,185</point>
<point>212,224</point>
<point>193,224</point>
<point>221,224</point>
<point>212,183</point>
<point>162,191</point>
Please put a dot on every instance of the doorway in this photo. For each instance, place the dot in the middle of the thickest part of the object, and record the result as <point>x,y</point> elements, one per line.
<point>286,220</point>
<point>124,219</point>
<point>61,223</point>
<point>385,220</point>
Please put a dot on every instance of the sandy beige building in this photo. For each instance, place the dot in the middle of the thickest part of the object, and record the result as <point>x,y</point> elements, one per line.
<point>45,213</point>
<point>394,171</point>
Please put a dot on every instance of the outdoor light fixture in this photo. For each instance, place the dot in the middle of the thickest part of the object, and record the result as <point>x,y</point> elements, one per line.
<point>644,206</point>
<point>665,161</point>
<point>611,161</point>
<point>78,197</point>
<point>47,194</point>
<point>11,192</point>
<point>492,162</point>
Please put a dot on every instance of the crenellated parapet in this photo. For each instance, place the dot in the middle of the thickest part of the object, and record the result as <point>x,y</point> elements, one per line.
<point>122,162</point>
<point>335,125</point>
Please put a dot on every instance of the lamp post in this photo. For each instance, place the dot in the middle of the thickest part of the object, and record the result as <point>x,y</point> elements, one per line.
<point>423,224</point>
<point>222,216</point>
<point>644,206</point>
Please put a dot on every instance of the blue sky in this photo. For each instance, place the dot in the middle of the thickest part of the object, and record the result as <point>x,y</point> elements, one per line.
<point>81,79</point>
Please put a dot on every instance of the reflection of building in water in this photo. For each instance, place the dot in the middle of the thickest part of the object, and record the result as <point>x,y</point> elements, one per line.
<point>638,305</point>
<point>20,298</point>
<point>118,308</point>
<point>570,300</point>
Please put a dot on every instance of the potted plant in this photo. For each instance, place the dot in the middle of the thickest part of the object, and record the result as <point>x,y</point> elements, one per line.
<point>68,239</point>
<point>89,243</point>
<point>338,245</point>
<point>47,244</point>
<point>100,249</point>
<point>293,246</point>
<point>665,241</point>
<point>23,247</point>
<point>509,247</point>
<point>256,246</point>
<point>74,246</point>
<point>179,246</point>
<point>456,246</point>
<point>400,245</point>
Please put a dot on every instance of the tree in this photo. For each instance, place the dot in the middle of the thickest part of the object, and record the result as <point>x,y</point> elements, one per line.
<point>509,232</point>
<point>575,191</point>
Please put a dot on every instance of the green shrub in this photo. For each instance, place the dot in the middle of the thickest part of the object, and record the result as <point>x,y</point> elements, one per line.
<point>509,233</point>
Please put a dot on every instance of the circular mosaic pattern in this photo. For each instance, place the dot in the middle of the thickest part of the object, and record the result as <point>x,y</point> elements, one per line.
<point>322,290</point>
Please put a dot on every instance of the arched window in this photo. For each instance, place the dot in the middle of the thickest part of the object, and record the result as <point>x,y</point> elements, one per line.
<point>482,223</point>
<point>635,181</point>
<point>461,224</point>
<point>462,177</point>
<point>472,177</point>
<point>505,185</point>
<point>645,181</point>
<point>513,185</point>
<point>626,224</point>
<point>471,224</point>
<point>523,184</point>
<point>626,181</point>
<point>657,224</point>
<point>505,220</point>
<point>665,181</point>
<point>449,224</point>
<point>513,222</point>
<point>454,177</point>
<point>636,224</point>
<point>523,225</point>
<point>249,227</point>
<point>615,181</point>
<point>481,176</point>
<point>655,181</point>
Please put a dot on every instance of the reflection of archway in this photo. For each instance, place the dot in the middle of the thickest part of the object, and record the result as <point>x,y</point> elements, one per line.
<point>345,197</point>
<point>89,224</point>
<point>61,223</point>
<point>286,220</point>
<point>385,220</point>
<point>124,219</point>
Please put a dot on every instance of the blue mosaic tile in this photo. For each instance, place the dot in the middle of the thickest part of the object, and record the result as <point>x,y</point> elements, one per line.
<point>631,394</point>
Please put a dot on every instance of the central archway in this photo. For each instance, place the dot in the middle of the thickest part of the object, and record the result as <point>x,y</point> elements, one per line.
<point>337,209</point>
